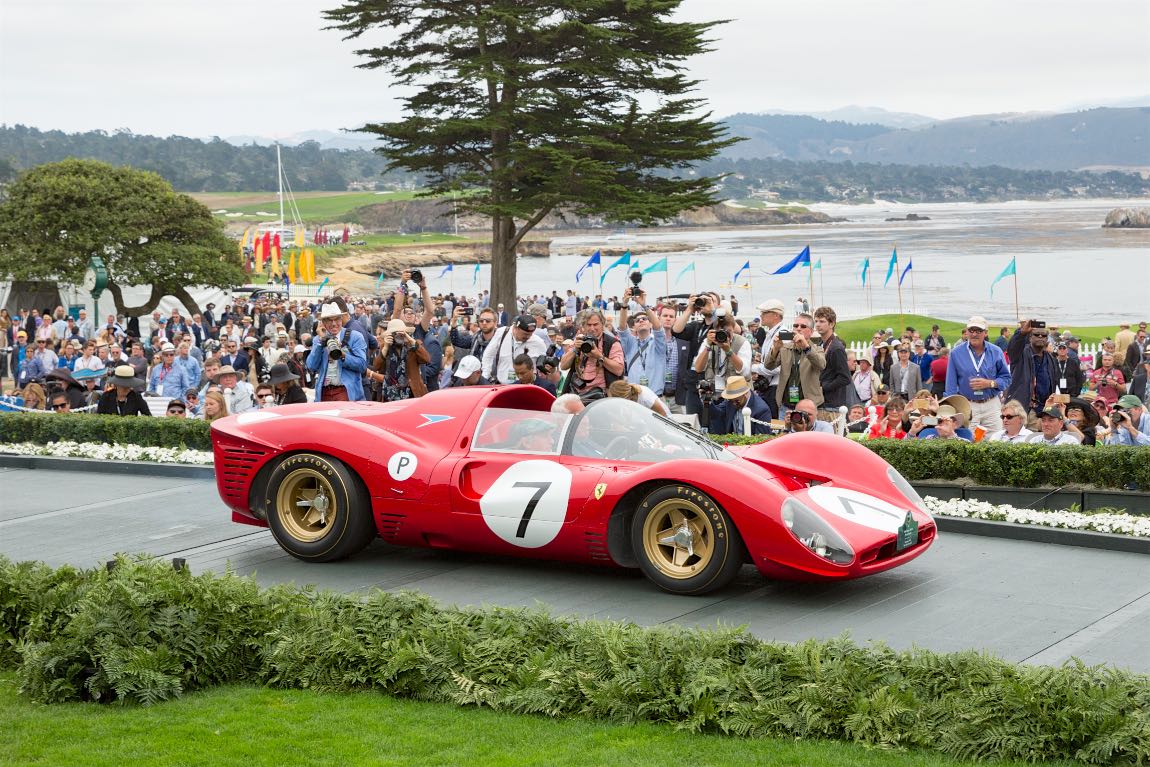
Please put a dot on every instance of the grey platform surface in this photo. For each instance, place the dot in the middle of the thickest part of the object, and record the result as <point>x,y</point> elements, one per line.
<point>1023,601</point>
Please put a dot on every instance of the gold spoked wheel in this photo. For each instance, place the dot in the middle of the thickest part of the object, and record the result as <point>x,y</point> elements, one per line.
<point>306,504</point>
<point>678,538</point>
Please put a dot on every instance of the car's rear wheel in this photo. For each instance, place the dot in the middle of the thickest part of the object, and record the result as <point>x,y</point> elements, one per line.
<point>684,541</point>
<point>318,510</point>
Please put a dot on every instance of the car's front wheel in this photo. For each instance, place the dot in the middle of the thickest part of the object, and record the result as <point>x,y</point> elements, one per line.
<point>318,511</point>
<point>684,541</point>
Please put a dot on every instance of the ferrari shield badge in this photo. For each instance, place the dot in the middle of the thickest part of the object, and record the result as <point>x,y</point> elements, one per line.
<point>600,489</point>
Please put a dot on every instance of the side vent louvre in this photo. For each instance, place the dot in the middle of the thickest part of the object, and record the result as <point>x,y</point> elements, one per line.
<point>596,546</point>
<point>237,467</point>
<point>389,525</point>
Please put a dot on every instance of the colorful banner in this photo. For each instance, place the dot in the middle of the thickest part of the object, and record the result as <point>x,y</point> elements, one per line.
<point>891,266</point>
<point>803,258</point>
<point>688,268</point>
<point>1011,270</point>
<point>658,266</point>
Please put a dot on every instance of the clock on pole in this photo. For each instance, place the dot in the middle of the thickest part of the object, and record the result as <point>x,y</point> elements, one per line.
<point>95,281</point>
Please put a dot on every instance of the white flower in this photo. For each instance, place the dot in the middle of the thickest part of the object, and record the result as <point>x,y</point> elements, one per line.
<point>1100,522</point>
<point>102,452</point>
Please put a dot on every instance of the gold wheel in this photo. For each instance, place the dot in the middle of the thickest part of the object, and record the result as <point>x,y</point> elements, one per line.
<point>678,538</point>
<point>306,505</point>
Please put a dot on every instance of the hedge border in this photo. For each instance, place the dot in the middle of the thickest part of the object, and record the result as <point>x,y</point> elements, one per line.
<point>42,428</point>
<point>143,632</point>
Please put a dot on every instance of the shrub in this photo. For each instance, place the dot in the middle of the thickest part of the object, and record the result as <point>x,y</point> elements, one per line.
<point>144,633</point>
<point>42,428</point>
<point>1003,464</point>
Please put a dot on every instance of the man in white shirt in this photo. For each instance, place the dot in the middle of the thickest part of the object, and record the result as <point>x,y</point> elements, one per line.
<point>508,343</point>
<point>1013,425</point>
<point>1051,420</point>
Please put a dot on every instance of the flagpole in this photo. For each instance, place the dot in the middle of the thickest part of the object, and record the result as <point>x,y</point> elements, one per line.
<point>1017,313</point>
<point>901,321</point>
<point>822,283</point>
<point>667,279</point>
<point>913,305</point>
<point>811,275</point>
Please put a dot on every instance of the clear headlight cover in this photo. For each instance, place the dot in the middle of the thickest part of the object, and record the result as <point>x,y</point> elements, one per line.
<point>816,533</point>
<point>904,487</point>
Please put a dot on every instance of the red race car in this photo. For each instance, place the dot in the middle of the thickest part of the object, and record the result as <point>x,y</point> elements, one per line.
<point>492,469</point>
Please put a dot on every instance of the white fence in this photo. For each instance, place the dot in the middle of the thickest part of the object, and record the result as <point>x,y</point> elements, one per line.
<point>863,349</point>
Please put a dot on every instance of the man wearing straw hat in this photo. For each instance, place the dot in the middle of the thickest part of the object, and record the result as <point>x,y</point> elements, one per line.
<point>736,395</point>
<point>124,398</point>
<point>338,357</point>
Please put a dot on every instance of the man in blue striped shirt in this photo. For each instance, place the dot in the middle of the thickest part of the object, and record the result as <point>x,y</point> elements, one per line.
<point>978,371</point>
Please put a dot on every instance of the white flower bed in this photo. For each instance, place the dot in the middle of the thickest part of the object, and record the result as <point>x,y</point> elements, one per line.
<point>1100,522</point>
<point>110,452</point>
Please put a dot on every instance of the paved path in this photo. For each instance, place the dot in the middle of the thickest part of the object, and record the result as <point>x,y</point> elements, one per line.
<point>1024,601</point>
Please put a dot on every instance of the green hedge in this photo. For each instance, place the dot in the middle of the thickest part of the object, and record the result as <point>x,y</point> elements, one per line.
<point>1003,464</point>
<point>144,633</point>
<point>42,428</point>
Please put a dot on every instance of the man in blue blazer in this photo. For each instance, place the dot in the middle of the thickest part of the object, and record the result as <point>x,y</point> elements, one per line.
<point>338,357</point>
<point>738,394</point>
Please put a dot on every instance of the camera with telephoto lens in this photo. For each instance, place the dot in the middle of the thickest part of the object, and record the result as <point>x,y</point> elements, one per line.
<point>798,416</point>
<point>334,349</point>
<point>1117,417</point>
<point>722,336</point>
<point>700,302</point>
<point>706,389</point>
<point>636,278</point>
<point>588,343</point>
<point>416,276</point>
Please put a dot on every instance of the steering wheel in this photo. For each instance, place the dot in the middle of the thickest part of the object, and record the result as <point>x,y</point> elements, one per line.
<point>618,448</point>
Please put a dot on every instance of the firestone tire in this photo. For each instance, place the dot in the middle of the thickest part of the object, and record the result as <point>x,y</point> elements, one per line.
<point>684,542</point>
<point>317,510</point>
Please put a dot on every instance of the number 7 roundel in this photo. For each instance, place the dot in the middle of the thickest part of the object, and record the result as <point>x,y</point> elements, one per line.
<point>527,505</point>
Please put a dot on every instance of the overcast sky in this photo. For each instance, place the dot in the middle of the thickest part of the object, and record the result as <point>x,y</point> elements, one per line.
<point>253,67</point>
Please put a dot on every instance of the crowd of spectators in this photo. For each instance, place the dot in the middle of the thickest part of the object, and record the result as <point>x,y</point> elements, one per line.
<point>677,355</point>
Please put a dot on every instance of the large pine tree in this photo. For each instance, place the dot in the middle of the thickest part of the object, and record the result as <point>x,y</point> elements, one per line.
<point>535,106</point>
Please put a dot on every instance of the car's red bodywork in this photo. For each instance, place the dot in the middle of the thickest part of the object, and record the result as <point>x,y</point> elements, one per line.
<point>438,505</point>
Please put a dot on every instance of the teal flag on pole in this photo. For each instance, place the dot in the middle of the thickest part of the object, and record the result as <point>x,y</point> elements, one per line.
<point>658,266</point>
<point>688,268</point>
<point>475,277</point>
<point>891,266</point>
<point>865,269</point>
<point>1009,271</point>
<point>623,260</point>
<point>818,264</point>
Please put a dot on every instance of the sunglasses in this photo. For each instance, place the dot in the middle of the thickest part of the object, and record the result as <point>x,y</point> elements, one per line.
<point>1007,417</point>
<point>975,330</point>
<point>175,410</point>
<point>800,325</point>
<point>59,405</point>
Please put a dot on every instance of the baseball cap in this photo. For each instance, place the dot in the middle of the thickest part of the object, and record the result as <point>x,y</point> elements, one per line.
<point>525,322</point>
<point>1051,411</point>
<point>1127,401</point>
<point>977,322</point>
<point>468,365</point>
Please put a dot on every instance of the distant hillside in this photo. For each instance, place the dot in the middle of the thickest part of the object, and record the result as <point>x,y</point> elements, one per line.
<point>1095,137</point>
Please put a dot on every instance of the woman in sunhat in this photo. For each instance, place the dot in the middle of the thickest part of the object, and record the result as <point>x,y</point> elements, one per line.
<point>123,396</point>
<point>285,383</point>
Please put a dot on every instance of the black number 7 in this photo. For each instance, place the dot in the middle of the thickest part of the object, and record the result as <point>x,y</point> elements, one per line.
<point>540,489</point>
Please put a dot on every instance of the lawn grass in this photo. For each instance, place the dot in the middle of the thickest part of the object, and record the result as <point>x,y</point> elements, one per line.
<point>253,726</point>
<point>862,330</point>
<point>313,208</point>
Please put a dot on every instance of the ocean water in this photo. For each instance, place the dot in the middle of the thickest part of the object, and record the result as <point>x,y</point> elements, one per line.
<point>1070,269</point>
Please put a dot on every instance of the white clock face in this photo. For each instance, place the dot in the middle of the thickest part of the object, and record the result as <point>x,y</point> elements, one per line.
<point>90,280</point>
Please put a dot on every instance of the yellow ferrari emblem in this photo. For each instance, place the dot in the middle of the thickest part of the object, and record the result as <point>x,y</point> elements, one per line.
<point>600,489</point>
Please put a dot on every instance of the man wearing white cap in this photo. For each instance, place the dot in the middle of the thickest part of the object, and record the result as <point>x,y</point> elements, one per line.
<point>468,373</point>
<point>169,379</point>
<point>338,357</point>
<point>771,314</point>
<point>978,371</point>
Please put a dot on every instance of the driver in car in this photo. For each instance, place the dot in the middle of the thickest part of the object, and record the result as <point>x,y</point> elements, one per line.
<point>533,435</point>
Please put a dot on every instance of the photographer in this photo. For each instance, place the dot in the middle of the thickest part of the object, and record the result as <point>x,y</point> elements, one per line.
<point>693,333</point>
<point>728,412</point>
<point>723,353</point>
<point>338,357</point>
<point>804,416</point>
<point>942,425</point>
<point>595,359</point>
<point>1107,380</point>
<point>644,348</point>
<point>526,373</point>
<point>472,343</point>
<point>1034,372</point>
<point>799,363</point>
<point>506,344</point>
<point>395,369</point>
<point>1129,422</point>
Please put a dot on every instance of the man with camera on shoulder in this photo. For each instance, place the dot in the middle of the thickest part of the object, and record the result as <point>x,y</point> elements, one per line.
<point>595,359</point>
<point>338,357</point>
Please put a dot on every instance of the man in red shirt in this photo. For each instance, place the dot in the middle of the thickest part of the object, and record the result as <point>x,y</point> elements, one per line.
<point>938,372</point>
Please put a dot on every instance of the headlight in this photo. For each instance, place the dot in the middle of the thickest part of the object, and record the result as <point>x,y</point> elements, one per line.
<point>904,487</point>
<point>815,533</point>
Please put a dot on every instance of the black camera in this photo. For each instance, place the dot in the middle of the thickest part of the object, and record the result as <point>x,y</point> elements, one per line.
<point>636,277</point>
<point>1117,417</point>
<point>786,335</point>
<point>468,311</point>
<point>334,349</point>
<point>706,389</point>
<point>700,302</point>
<point>416,276</point>
<point>587,344</point>
<point>1037,324</point>
<point>545,364</point>
<point>722,336</point>
<point>798,416</point>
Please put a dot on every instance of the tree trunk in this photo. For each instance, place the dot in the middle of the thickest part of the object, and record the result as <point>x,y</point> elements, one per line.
<point>503,287</point>
<point>186,299</point>
<point>145,308</point>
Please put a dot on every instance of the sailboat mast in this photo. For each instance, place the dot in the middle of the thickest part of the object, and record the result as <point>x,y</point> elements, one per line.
<point>280,182</point>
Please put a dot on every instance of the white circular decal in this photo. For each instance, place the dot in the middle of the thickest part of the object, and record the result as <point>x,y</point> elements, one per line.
<point>860,508</point>
<point>528,504</point>
<point>401,466</point>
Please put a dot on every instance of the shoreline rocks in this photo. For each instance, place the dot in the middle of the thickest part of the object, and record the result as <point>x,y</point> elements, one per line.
<point>1127,218</point>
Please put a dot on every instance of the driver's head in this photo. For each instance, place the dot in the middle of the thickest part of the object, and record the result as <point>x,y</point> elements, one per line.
<point>532,434</point>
